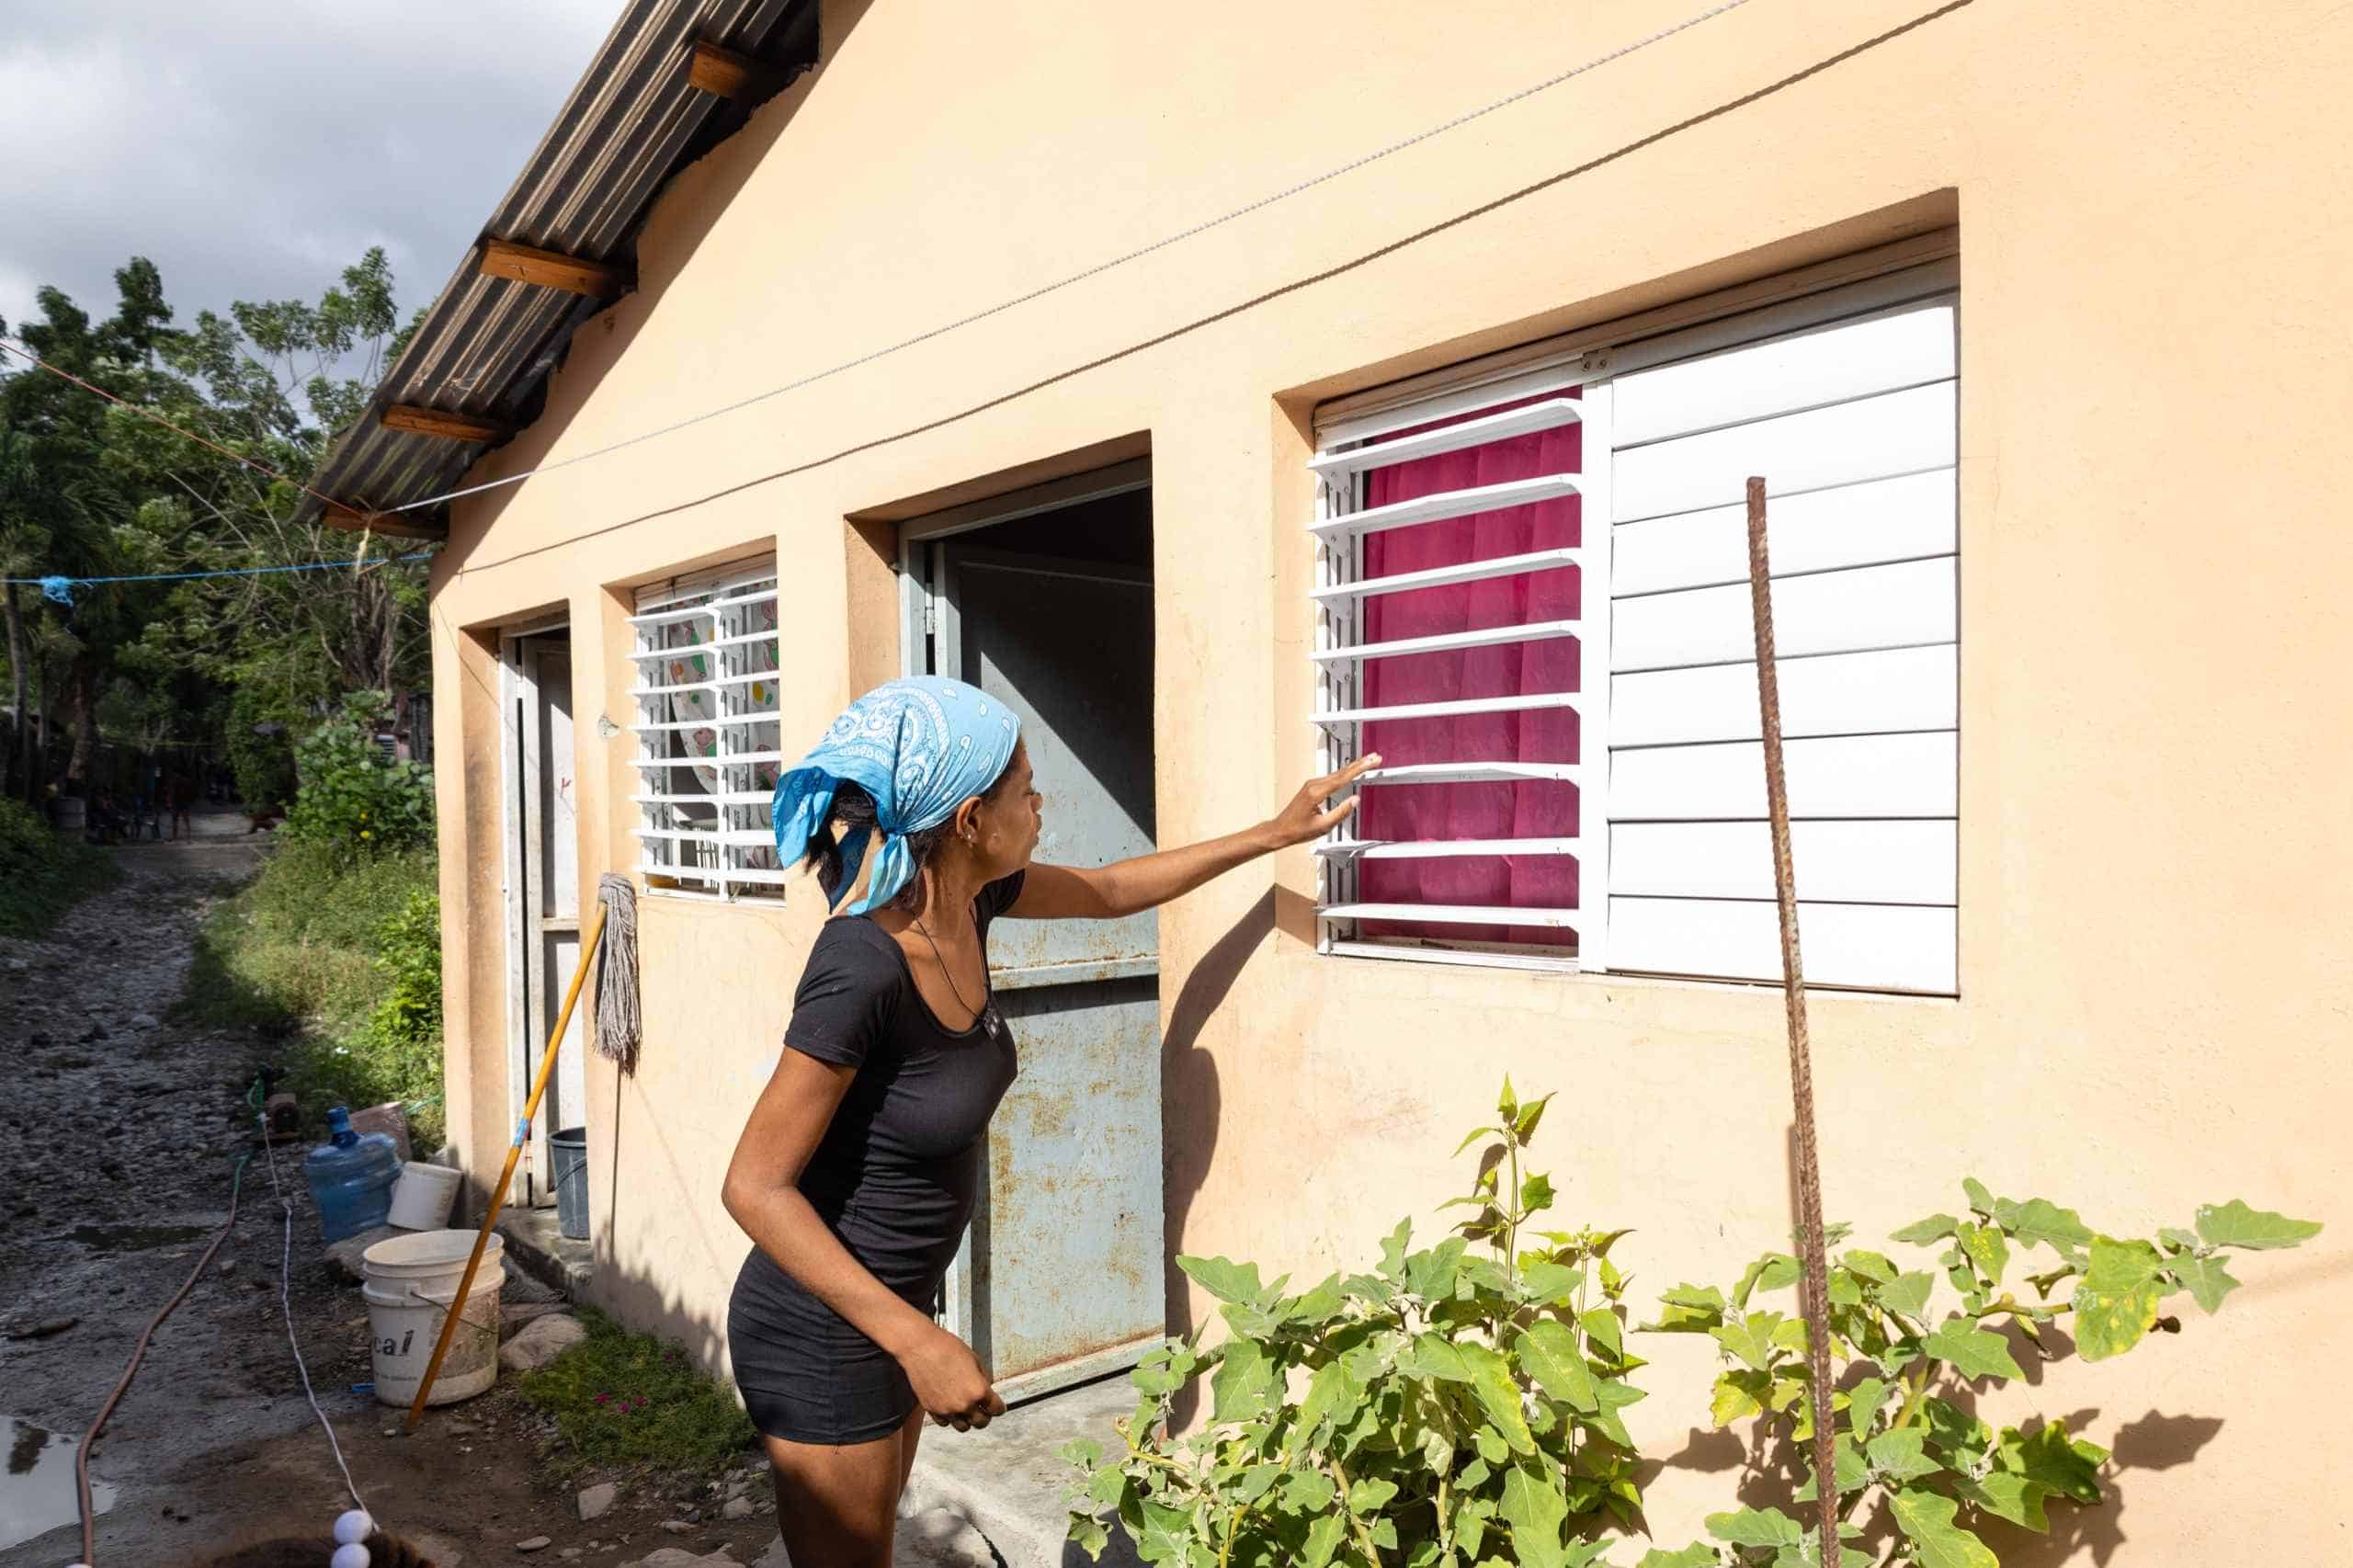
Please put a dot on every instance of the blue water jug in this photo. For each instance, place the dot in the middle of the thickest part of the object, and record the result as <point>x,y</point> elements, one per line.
<point>351,1177</point>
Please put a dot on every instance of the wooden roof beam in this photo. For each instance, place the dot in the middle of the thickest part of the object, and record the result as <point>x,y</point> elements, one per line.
<point>724,73</point>
<point>416,420</point>
<point>547,268</point>
<point>392,525</point>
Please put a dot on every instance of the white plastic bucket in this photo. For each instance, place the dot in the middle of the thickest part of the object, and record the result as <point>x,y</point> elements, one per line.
<point>410,1284</point>
<point>422,1196</point>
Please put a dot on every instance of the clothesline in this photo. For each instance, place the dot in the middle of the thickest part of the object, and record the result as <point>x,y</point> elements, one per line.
<point>60,587</point>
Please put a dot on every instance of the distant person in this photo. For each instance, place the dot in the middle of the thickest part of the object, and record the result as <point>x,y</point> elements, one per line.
<point>182,793</point>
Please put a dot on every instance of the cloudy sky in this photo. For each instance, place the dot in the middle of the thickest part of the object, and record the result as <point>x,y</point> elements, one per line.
<point>255,148</point>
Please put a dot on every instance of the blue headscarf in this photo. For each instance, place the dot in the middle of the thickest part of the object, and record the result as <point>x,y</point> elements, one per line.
<point>921,747</point>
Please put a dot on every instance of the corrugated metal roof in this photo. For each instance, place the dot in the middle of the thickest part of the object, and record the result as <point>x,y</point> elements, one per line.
<point>487,344</point>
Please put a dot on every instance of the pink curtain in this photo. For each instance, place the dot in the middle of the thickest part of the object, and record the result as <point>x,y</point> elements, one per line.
<point>1536,809</point>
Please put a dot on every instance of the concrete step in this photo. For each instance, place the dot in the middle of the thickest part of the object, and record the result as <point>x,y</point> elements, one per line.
<point>535,1245</point>
<point>1007,1481</point>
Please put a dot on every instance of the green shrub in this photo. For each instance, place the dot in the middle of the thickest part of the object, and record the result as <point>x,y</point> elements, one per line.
<point>341,956</point>
<point>350,796</point>
<point>1445,1409</point>
<point>263,764</point>
<point>42,874</point>
<point>623,1398</point>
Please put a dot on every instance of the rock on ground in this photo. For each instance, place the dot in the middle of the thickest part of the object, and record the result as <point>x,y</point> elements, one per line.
<point>541,1342</point>
<point>598,1501</point>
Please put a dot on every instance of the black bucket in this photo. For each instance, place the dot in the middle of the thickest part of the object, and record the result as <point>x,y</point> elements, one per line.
<point>568,1152</point>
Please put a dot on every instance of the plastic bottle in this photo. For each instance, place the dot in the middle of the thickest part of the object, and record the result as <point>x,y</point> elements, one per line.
<point>351,1177</point>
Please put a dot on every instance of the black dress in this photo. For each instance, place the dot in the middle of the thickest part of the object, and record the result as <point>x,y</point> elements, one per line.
<point>895,1179</point>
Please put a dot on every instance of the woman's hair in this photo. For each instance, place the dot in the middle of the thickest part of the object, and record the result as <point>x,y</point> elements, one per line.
<point>855,815</point>
<point>313,1551</point>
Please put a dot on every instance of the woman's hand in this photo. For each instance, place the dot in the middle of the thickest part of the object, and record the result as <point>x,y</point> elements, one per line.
<point>1305,817</point>
<point>948,1379</point>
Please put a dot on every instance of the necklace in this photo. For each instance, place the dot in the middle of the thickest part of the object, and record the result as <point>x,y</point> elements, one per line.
<point>985,1013</point>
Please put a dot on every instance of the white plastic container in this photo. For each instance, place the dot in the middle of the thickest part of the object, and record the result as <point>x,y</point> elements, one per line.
<point>411,1282</point>
<point>421,1197</point>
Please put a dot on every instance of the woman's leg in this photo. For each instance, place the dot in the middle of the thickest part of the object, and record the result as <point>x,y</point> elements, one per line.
<point>837,1507</point>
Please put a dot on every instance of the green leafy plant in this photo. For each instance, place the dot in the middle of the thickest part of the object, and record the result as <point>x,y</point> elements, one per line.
<point>1458,1406</point>
<point>42,874</point>
<point>404,1026</point>
<point>1452,1409</point>
<point>619,1398</point>
<point>351,798</point>
<point>1906,1447</point>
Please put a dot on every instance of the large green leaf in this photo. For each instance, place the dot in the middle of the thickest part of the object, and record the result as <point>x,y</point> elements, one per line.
<point>1961,1436</point>
<point>1330,1393</point>
<point>1308,1491</point>
<point>2233,1224</point>
<point>1534,1510</point>
<point>1899,1455</point>
<point>1699,1554</point>
<point>1434,1356</point>
<point>1224,1279</point>
<point>2066,1466</point>
<point>1323,1538</point>
<point>2109,1324</point>
<point>1862,1405</point>
<point>1757,1527</point>
<point>1550,1284</point>
<point>1530,1116</point>
<point>1751,1339</point>
<point>1773,1271</point>
<point>1498,1396</point>
<point>2038,1221</point>
<point>1928,1231</point>
<point>2119,1266</point>
<point>1393,1252</point>
<point>1535,1193</point>
<point>1980,1200</point>
<point>2007,1496</point>
<point>1615,1395</point>
<point>1369,1497</point>
<point>1550,1354</point>
<point>1086,1533</point>
<point>1909,1294</point>
<point>1927,1518</point>
<point>1875,1267</point>
<point>1165,1534</point>
<point>1246,1382</point>
<point>1430,1275</point>
<point>2207,1280</point>
<point>1988,1248</point>
<point>1601,1326</point>
<point>1974,1352</point>
<point>1740,1393</point>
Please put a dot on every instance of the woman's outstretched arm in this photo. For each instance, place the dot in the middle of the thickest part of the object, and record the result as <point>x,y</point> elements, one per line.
<point>1130,887</point>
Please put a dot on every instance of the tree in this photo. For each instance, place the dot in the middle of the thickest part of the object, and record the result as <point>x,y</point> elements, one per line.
<point>274,388</point>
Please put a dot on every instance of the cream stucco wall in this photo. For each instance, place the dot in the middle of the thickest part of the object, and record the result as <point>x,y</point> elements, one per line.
<point>2156,237</point>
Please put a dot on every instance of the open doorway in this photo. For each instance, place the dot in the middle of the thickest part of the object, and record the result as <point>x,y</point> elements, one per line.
<point>542,889</point>
<point>1044,600</point>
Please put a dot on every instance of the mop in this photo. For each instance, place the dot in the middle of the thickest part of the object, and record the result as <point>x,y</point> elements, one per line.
<point>616,1034</point>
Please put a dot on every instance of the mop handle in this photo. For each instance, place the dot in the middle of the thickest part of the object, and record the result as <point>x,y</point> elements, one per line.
<point>513,1153</point>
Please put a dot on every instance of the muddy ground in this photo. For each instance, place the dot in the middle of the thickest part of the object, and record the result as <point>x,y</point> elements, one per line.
<point>119,1131</point>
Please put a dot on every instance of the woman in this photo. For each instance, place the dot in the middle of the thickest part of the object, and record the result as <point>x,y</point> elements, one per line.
<point>856,1172</point>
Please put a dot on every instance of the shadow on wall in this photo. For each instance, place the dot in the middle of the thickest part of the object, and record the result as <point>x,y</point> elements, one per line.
<point>1771,1468</point>
<point>1190,1101</point>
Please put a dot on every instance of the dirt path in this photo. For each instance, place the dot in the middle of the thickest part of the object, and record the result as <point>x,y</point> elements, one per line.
<point>119,1131</point>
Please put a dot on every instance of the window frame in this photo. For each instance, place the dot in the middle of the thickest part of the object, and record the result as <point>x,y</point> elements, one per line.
<point>1898,276</point>
<point>740,828</point>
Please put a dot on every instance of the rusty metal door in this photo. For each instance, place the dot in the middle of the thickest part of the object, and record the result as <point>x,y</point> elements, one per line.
<point>1061,1279</point>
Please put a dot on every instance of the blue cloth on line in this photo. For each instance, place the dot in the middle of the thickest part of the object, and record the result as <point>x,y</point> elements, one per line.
<point>921,747</point>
